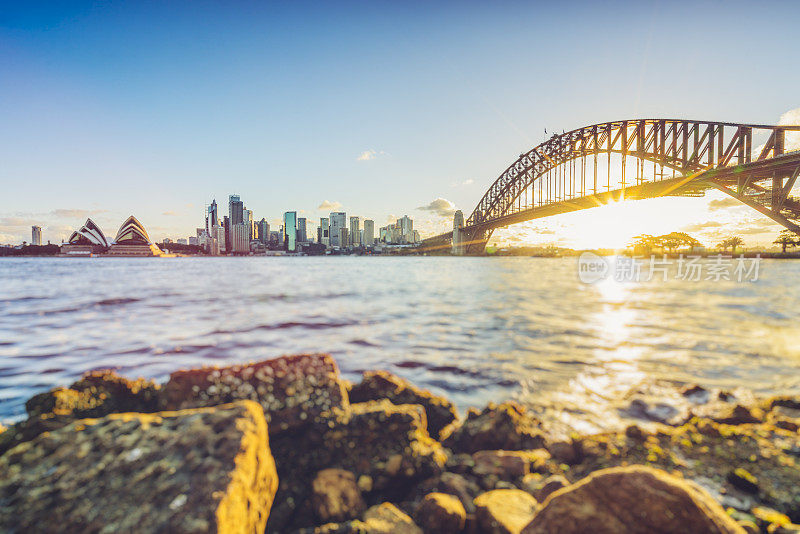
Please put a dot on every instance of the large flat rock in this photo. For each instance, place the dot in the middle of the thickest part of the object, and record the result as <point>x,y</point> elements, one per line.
<point>634,499</point>
<point>202,470</point>
<point>292,390</point>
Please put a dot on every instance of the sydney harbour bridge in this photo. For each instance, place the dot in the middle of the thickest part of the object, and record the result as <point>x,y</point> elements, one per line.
<point>636,159</point>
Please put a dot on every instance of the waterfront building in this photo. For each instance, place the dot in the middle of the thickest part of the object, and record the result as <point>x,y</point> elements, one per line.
<point>132,240</point>
<point>36,235</point>
<point>89,239</point>
<point>263,231</point>
<point>218,235</point>
<point>240,238</point>
<point>302,234</point>
<point>338,221</point>
<point>192,240</point>
<point>181,241</point>
<point>369,233</point>
<point>290,231</point>
<point>355,232</point>
<point>323,232</point>
<point>343,237</point>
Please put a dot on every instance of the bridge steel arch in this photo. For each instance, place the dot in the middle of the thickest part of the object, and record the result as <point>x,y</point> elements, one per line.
<point>697,155</point>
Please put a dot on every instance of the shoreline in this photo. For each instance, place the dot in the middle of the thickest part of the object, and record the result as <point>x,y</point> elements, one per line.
<point>384,450</point>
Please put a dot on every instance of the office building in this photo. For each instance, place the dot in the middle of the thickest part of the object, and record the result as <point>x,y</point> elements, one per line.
<point>302,235</point>
<point>235,209</point>
<point>290,231</point>
<point>323,232</point>
<point>406,226</point>
<point>368,234</point>
<point>338,221</point>
<point>226,226</point>
<point>355,232</point>
<point>263,231</point>
<point>240,238</point>
<point>212,219</point>
<point>36,235</point>
<point>343,236</point>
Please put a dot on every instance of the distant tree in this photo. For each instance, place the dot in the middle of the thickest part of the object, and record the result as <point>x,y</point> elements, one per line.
<point>645,242</point>
<point>733,242</point>
<point>786,238</point>
<point>674,240</point>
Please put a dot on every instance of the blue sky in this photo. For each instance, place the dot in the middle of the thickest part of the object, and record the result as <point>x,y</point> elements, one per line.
<point>121,108</point>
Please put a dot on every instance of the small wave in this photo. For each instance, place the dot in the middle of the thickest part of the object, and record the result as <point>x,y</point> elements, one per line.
<point>115,302</point>
<point>363,343</point>
<point>290,324</point>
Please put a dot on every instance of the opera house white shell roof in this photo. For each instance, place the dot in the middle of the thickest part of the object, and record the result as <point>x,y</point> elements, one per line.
<point>89,234</point>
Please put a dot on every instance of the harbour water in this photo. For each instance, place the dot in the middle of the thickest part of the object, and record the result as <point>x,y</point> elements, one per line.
<point>474,329</point>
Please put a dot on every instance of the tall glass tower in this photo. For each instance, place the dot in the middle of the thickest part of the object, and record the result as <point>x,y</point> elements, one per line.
<point>290,231</point>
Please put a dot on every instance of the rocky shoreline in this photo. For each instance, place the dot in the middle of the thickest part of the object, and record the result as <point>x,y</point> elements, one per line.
<point>287,445</point>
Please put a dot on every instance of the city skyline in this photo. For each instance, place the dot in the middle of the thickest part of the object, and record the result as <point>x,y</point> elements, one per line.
<point>415,109</point>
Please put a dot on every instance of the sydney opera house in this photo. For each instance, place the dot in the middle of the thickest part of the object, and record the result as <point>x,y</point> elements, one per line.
<point>131,240</point>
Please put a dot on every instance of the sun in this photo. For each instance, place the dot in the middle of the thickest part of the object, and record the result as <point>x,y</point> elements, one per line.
<point>612,225</point>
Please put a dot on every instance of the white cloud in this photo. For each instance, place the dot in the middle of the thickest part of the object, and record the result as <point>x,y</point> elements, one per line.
<point>368,155</point>
<point>719,204</point>
<point>468,181</point>
<point>791,118</point>
<point>327,205</point>
<point>440,206</point>
<point>170,214</point>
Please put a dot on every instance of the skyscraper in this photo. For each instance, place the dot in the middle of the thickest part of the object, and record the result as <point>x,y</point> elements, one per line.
<point>240,238</point>
<point>323,232</point>
<point>355,232</point>
<point>369,233</point>
<point>36,235</point>
<point>338,221</point>
<point>213,214</point>
<point>302,236</point>
<point>290,231</point>
<point>235,209</point>
<point>343,237</point>
<point>247,219</point>
<point>406,226</point>
<point>263,231</point>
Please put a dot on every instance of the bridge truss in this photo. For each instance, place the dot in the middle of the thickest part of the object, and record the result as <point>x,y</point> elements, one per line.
<point>643,158</point>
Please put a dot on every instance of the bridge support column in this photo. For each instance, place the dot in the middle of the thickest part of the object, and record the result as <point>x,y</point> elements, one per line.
<point>458,234</point>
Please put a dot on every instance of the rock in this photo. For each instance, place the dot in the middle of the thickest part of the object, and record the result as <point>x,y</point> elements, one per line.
<point>383,441</point>
<point>508,464</point>
<point>377,385</point>
<point>187,471</point>
<point>96,394</point>
<point>550,485</point>
<point>659,412</point>
<point>741,479</point>
<point>531,483</point>
<point>459,486</point>
<point>635,432</point>
<point>440,513</point>
<point>504,511</point>
<point>785,401</point>
<point>566,452</point>
<point>386,518</point>
<point>739,415</point>
<point>696,394</point>
<point>505,427</point>
<point>292,390</point>
<point>335,496</point>
<point>633,499</point>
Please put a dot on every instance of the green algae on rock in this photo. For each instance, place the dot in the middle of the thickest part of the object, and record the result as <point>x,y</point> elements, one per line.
<point>205,470</point>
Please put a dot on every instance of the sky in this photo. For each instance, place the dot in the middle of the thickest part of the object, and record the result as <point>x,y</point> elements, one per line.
<point>380,109</point>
